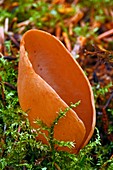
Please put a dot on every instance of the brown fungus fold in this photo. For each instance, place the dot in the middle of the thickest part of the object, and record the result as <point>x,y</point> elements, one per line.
<point>49,79</point>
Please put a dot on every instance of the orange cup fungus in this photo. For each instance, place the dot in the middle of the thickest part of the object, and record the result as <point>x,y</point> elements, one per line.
<point>49,79</point>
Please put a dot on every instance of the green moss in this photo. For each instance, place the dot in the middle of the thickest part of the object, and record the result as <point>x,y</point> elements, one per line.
<point>18,147</point>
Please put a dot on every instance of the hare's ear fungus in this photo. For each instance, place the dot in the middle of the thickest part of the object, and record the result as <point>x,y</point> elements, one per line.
<point>50,79</point>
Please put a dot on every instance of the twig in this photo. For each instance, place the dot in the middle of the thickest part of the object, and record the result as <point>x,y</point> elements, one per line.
<point>14,41</point>
<point>1,55</point>
<point>105,34</point>
<point>67,41</point>
<point>108,101</point>
<point>3,94</point>
<point>58,31</point>
<point>24,23</point>
<point>9,58</point>
<point>1,38</point>
<point>1,35</point>
<point>57,167</point>
<point>71,29</point>
<point>6,25</point>
<point>10,85</point>
<point>108,39</point>
<point>105,120</point>
<point>75,19</point>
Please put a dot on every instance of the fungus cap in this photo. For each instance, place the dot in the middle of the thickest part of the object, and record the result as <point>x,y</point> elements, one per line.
<point>49,79</point>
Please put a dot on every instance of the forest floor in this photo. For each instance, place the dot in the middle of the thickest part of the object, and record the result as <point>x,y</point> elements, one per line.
<point>86,30</point>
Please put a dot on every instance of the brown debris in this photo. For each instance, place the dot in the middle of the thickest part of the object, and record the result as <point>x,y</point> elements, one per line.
<point>67,41</point>
<point>58,31</point>
<point>2,39</point>
<point>75,19</point>
<point>6,25</point>
<point>105,34</point>
<point>2,92</point>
